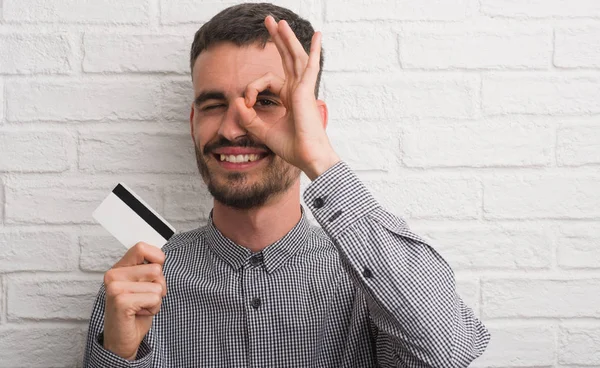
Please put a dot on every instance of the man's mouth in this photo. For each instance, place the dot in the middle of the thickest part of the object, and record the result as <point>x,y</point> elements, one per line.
<point>237,159</point>
<point>240,158</point>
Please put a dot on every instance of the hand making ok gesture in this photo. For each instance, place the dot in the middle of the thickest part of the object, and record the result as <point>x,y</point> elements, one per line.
<point>299,137</point>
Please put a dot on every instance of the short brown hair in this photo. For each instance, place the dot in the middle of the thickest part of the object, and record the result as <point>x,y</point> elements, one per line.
<point>243,25</point>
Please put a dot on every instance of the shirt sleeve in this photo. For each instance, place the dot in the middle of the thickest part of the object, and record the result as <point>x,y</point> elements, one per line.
<point>96,356</point>
<point>410,290</point>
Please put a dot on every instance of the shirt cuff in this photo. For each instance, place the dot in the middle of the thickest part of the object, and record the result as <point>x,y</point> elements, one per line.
<point>101,358</point>
<point>337,198</point>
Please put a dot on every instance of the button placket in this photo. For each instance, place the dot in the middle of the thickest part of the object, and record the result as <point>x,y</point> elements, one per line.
<point>255,299</point>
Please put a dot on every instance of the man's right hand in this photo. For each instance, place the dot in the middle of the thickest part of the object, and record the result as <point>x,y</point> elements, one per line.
<point>134,292</point>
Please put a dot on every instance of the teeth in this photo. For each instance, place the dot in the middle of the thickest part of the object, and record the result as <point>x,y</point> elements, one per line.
<point>239,158</point>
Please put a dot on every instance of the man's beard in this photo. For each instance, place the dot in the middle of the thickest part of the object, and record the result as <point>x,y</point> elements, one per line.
<point>234,191</point>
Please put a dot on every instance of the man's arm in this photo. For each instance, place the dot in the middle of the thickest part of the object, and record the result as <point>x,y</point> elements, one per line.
<point>409,288</point>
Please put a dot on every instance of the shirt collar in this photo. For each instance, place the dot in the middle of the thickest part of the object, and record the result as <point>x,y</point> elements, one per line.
<point>274,255</point>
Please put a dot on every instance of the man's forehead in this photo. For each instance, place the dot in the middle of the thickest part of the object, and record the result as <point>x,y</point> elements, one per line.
<point>226,65</point>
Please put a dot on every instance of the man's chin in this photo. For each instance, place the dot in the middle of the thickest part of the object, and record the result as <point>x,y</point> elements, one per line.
<point>239,197</point>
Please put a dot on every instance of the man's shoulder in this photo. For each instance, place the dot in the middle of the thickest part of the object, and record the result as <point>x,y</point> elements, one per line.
<point>184,239</point>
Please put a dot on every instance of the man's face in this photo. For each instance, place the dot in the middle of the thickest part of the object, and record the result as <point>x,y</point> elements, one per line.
<point>239,171</point>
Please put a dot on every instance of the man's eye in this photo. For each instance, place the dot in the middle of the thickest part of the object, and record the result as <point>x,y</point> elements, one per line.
<point>264,102</point>
<point>212,107</point>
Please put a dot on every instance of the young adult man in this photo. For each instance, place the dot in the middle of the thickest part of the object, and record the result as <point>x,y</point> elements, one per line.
<point>258,286</point>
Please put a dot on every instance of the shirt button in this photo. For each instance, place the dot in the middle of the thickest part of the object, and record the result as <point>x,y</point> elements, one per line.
<point>367,273</point>
<point>255,303</point>
<point>319,202</point>
<point>256,260</point>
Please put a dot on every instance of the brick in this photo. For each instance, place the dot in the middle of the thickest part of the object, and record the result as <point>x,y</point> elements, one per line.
<point>525,298</point>
<point>488,143</point>
<point>577,246</point>
<point>177,97</point>
<point>37,251</point>
<point>577,48</point>
<point>135,53</point>
<point>140,99</point>
<point>2,201</point>
<point>429,197</point>
<point>34,53</point>
<point>452,47</point>
<point>56,202</point>
<point>578,146</point>
<point>526,94</point>
<point>364,49</point>
<point>2,302</point>
<point>99,251</point>
<point>65,297</point>
<point>518,346</point>
<point>365,145</point>
<point>369,96</point>
<point>77,11</point>
<point>190,11</point>
<point>187,202</point>
<point>514,247</point>
<point>541,8</point>
<point>468,289</point>
<point>340,10</point>
<point>541,196</point>
<point>2,100</point>
<point>578,345</point>
<point>39,346</point>
<point>137,152</point>
<point>34,151</point>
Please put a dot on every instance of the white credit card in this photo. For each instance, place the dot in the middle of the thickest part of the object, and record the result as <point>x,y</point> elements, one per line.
<point>129,219</point>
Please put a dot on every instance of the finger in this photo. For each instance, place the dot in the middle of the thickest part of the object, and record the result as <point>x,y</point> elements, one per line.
<point>268,81</point>
<point>132,304</point>
<point>299,56</point>
<point>140,253</point>
<point>251,121</point>
<point>312,69</point>
<point>286,58</point>
<point>151,272</point>
<point>128,287</point>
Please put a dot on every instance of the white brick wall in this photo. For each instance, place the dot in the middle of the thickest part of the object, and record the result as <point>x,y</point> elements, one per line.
<point>476,120</point>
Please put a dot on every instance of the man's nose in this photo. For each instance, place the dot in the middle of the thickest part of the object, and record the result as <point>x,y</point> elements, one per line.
<point>230,127</point>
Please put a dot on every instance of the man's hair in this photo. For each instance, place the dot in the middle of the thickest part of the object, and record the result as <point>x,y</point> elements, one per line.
<point>243,25</point>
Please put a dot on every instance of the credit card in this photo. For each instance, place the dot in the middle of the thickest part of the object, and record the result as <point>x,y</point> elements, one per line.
<point>131,220</point>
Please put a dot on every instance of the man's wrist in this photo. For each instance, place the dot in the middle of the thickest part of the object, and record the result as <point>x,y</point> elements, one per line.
<point>318,167</point>
<point>126,356</point>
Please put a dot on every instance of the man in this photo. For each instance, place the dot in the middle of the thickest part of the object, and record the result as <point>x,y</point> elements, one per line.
<point>258,286</point>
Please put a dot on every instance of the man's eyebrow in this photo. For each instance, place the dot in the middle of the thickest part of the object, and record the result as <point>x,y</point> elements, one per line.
<point>209,95</point>
<point>216,95</point>
<point>267,93</point>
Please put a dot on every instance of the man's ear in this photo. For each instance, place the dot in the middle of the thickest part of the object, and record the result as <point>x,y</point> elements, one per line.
<point>192,121</point>
<point>324,113</point>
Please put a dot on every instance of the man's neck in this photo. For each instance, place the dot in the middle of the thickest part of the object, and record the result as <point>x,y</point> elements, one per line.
<point>260,227</point>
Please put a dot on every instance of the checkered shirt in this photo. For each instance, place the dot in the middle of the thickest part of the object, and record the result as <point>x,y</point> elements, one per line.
<point>360,291</point>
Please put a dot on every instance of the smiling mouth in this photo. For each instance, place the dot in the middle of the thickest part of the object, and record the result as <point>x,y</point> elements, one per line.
<point>240,159</point>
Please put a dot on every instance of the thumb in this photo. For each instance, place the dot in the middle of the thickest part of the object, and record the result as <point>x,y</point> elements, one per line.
<point>250,120</point>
